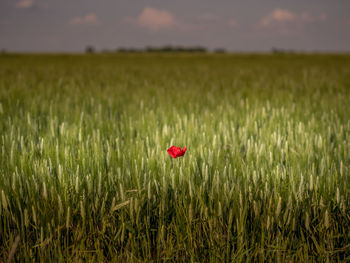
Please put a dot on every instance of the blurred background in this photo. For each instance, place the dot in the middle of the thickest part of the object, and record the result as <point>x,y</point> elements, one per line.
<point>235,26</point>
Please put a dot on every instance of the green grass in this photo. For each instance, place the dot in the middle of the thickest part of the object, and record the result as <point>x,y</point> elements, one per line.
<point>85,175</point>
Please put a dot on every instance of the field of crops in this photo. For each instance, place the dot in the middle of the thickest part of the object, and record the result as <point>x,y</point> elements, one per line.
<point>85,173</point>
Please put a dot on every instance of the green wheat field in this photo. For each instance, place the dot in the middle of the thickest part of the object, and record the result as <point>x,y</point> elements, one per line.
<point>86,177</point>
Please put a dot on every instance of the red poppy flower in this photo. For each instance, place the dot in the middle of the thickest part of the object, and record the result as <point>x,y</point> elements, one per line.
<point>176,151</point>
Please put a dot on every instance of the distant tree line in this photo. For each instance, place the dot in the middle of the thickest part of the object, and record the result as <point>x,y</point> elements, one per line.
<point>90,49</point>
<point>275,50</point>
<point>151,49</point>
<point>168,48</point>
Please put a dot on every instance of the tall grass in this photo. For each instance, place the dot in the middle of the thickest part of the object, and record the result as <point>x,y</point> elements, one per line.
<point>85,175</point>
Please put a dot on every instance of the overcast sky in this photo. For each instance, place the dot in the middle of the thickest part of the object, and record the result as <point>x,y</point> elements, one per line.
<point>242,25</point>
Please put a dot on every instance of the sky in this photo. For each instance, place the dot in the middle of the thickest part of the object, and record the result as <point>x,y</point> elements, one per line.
<point>238,26</point>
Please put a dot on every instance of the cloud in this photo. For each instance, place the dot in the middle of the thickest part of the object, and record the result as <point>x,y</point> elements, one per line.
<point>281,16</point>
<point>154,19</point>
<point>88,19</point>
<point>285,22</point>
<point>277,16</point>
<point>24,3</point>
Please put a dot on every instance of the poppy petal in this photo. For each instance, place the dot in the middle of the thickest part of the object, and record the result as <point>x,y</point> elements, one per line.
<point>175,152</point>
